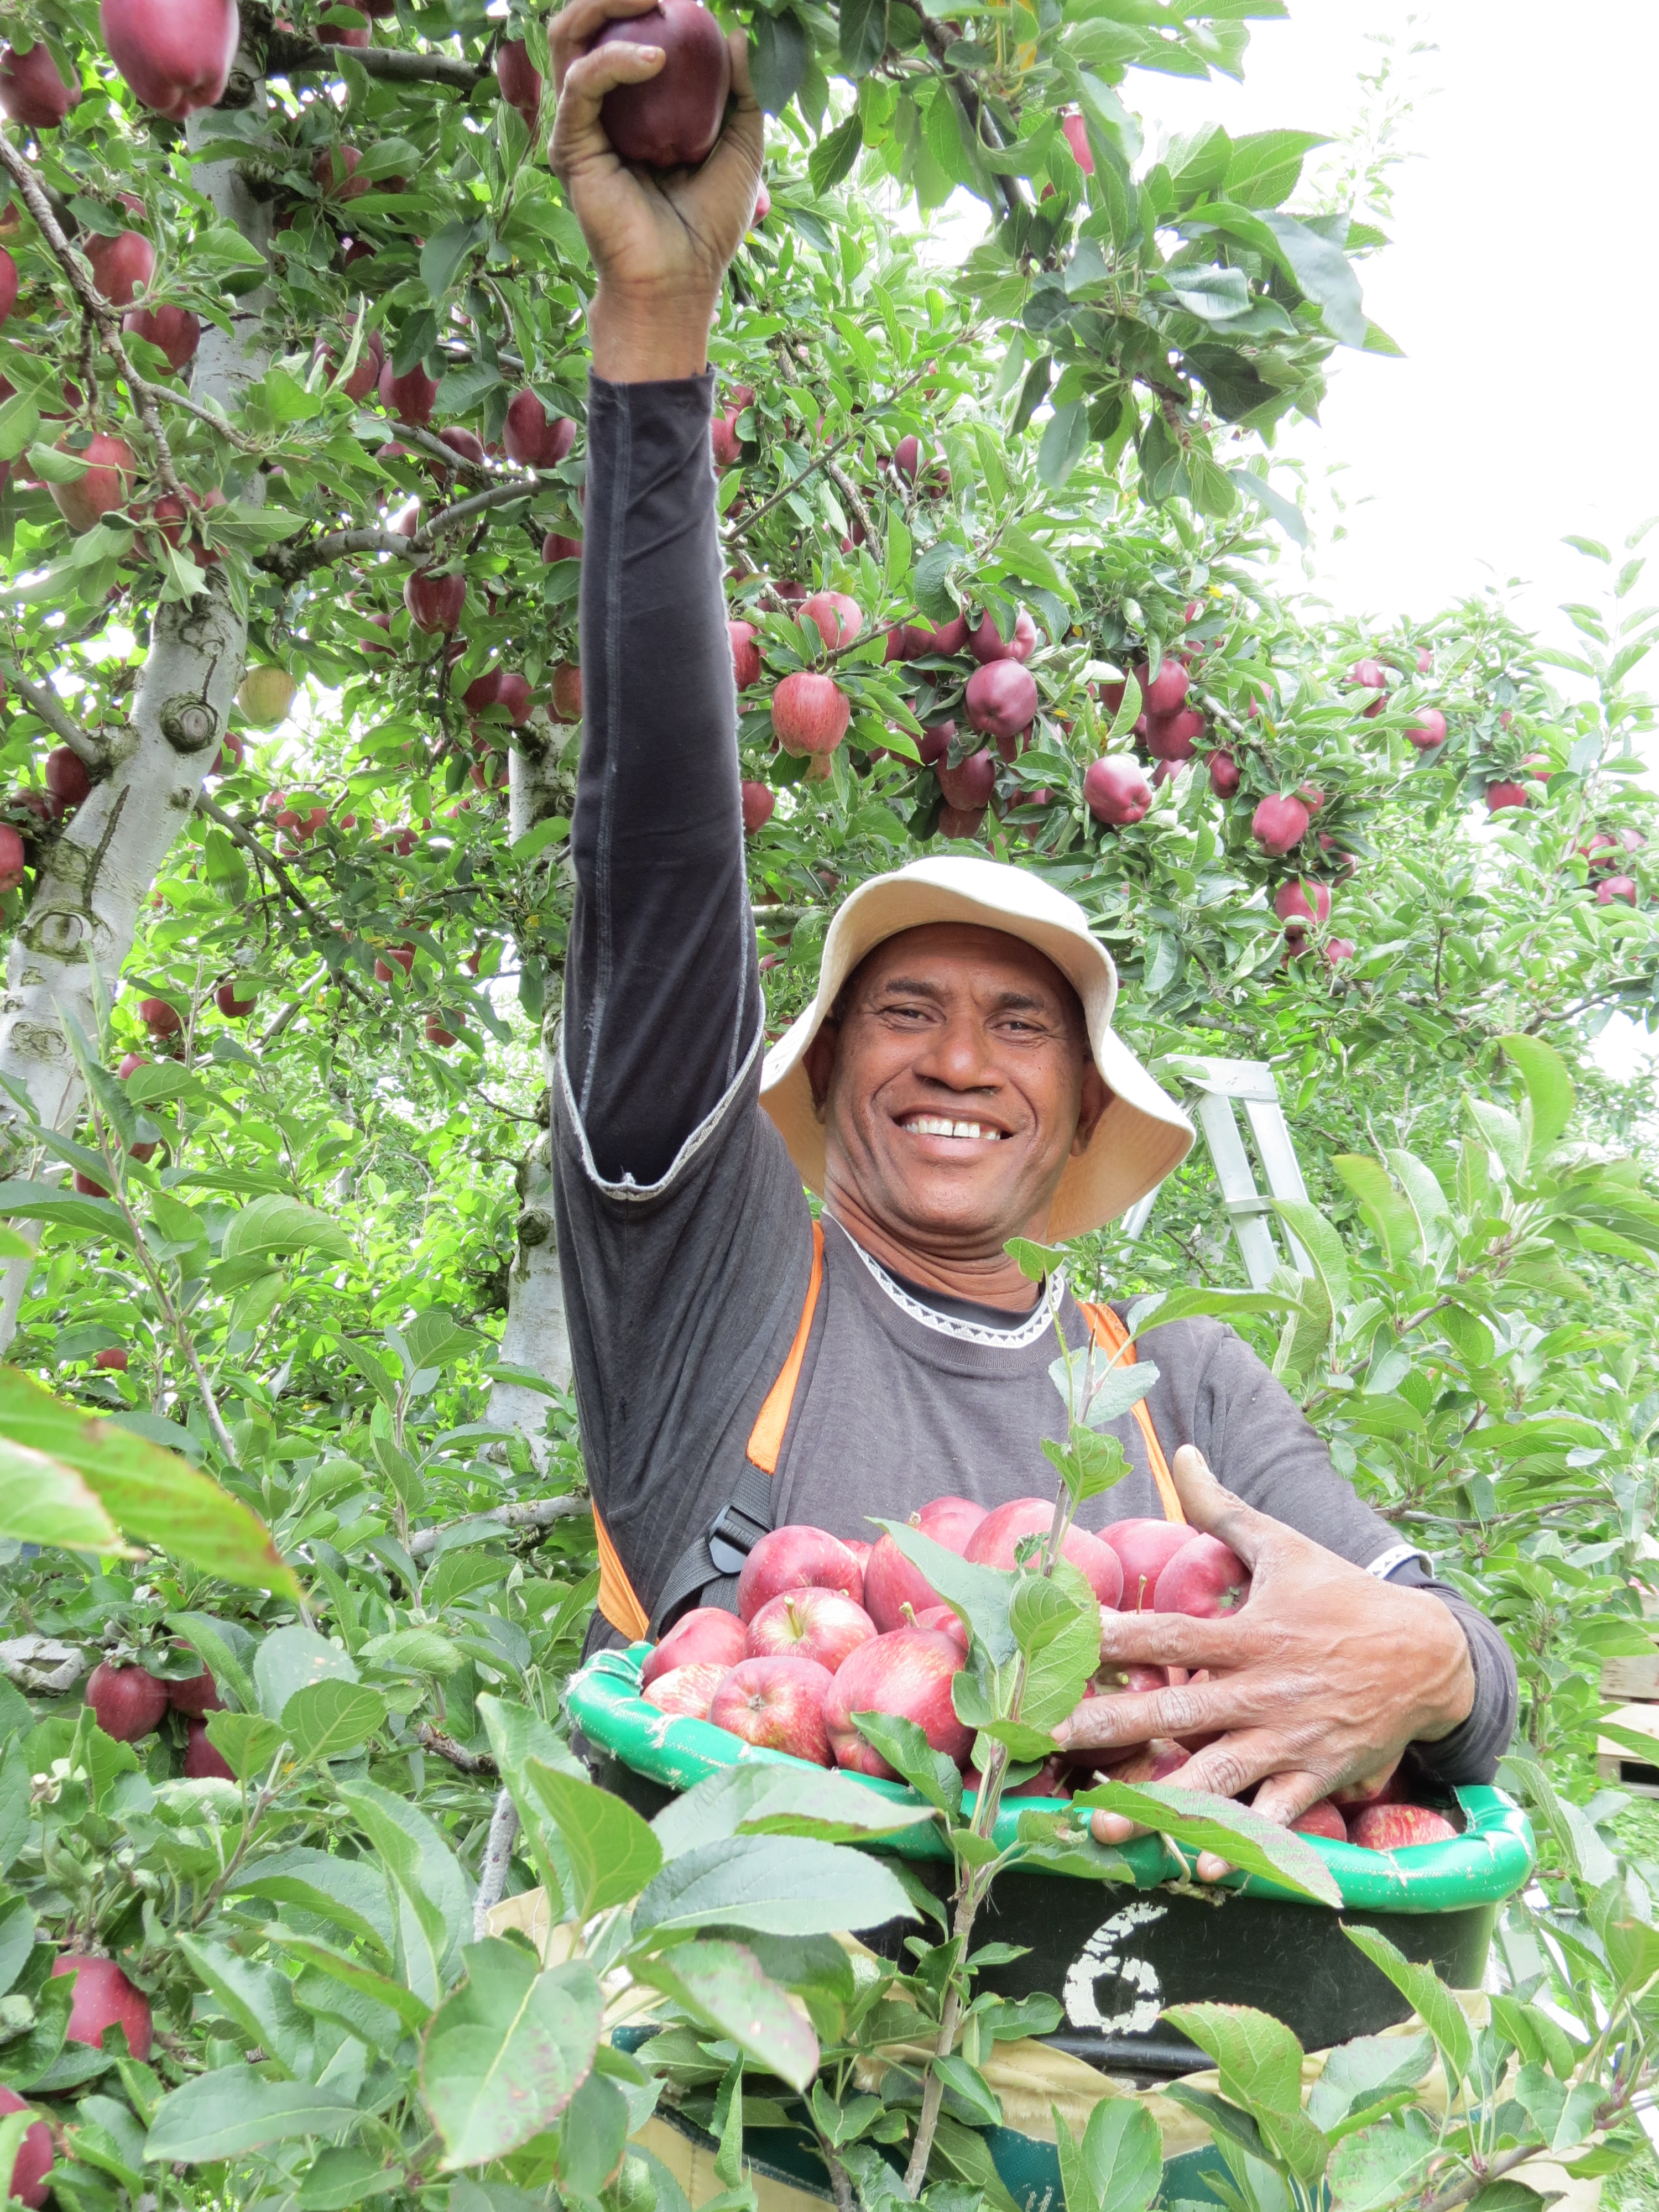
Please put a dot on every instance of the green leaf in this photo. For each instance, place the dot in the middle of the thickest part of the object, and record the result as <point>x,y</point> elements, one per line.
<point>1387,1214</point>
<point>291,1659</point>
<point>1064,442</point>
<point>233,2110</point>
<point>1261,2068</point>
<point>442,256</point>
<point>1265,165</point>
<point>20,424</point>
<point>981,1594</point>
<point>1285,511</point>
<point>153,1495</point>
<point>611,1850</point>
<point>352,1892</point>
<point>258,1997</point>
<point>778,1885</point>
<point>1378,2167</point>
<point>863,35</point>
<point>329,1719</point>
<point>723,1985</point>
<point>835,155</point>
<point>1428,1996</point>
<point>777,1800</point>
<point>219,1646</point>
<point>44,1502</point>
<point>505,2051</point>
<point>433,1896</point>
<point>931,1774</point>
<point>248,1744</point>
<point>274,1224</point>
<point>1199,1822</point>
<point>1119,2161</point>
<point>778,58</point>
<point>352,1973</point>
<point>1365,2072</point>
<point>1037,1262</point>
<point>1549,1094</point>
<point>1325,275</point>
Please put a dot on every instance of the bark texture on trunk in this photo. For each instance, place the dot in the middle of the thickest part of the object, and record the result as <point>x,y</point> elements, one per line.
<point>93,880</point>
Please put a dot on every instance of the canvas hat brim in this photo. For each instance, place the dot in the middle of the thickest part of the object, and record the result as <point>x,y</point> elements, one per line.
<point>1140,1138</point>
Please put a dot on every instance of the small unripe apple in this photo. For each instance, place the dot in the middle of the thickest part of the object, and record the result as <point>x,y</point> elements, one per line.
<point>1223,774</point>
<point>1166,691</point>
<point>202,1761</point>
<point>264,696</point>
<point>519,79</point>
<point>1427,731</point>
<point>435,603</point>
<point>111,467</point>
<point>66,777</point>
<point>1077,137</point>
<point>121,267</point>
<point>1502,795</point>
<point>1278,823</point>
<point>745,654</point>
<point>28,2182</point>
<point>112,1360</point>
<point>758,801</point>
<point>809,713</point>
<point>1001,698</point>
<point>672,120</point>
<point>837,618</point>
<point>126,1702</point>
<point>988,644</point>
<point>1115,792</point>
<point>567,692</point>
<point>32,90</point>
<point>971,785</point>
<point>408,397</point>
<point>172,330</point>
<point>176,55</point>
<point>1300,902</point>
<point>1616,887</point>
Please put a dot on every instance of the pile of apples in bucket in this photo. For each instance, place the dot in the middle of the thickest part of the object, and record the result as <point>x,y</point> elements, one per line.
<point>827,1627</point>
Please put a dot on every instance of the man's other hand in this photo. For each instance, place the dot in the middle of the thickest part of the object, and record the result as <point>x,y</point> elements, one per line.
<point>660,240</point>
<point>1318,1681</point>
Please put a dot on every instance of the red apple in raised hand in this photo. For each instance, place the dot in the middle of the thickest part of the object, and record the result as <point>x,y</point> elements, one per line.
<point>797,1557</point>
<point>1144,1549</point>
<point>1398,1827</point>
<point>906,1673</point>
<point>759,801</point>
<point>672,120</point>
<point>707,1634</point>
<point>1115,792</point>
<point>103,1997</point>
<point>1321,1820</point>
<point>111,467</point>
<point>1300,902</point>
<point>687,1690</point>
<point>1001,698</point>
<point>825,1625</point>
<point>809,713</point>
<point>32,89</point>
<point>779,1703</point>
<point>987,643</point>
<point>745,654</point>
<point>202,1761</point>
<point>1205,1579</point>
<point>177,333</point>
<point>519,81</point>
<point>126,1702</point>
<point>1279,823</point>
<point>1427,730</point>
<point>837,618</point>
<point>999,1536</point>
<point>32,2163</point>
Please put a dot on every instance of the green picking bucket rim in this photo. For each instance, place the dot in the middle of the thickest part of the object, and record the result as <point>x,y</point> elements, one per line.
<point>1490,1860</point>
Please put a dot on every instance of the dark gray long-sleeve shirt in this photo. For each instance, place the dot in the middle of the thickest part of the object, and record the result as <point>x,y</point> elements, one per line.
<point>685,1234</point>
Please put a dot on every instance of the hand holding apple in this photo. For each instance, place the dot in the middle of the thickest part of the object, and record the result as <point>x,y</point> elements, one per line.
<point>1324,1676</point>
<point>660,240</point>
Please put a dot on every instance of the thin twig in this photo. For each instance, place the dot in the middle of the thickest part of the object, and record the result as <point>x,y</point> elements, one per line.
<point>289,563</point>
<point>850,492</point>
<point>286,883</point>
<point>287,53</point>
<point>542,1513</point>
<point>497,1863</point>
<point>44,703</point>
<point>438,1740</point>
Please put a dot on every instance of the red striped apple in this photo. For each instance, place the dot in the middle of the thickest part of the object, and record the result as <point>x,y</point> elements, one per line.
<point>1502,795</point>
<point>177,333</point>
<point>825,1625</point>
<point>175,55</point>
<point>1223,774</point>
<point>1205,1579</point>
<point>103,1997</point>
<point>907,1673</point>
<point>745,654</point>
<point>533,439</point>
<point>1426,730</point>
<point>1001,698</point>
<point>435,603</point>
<point>408,397</point>
<point>202,1761</point>
<point>779,1703</point>
<point>235,1009</point>
<point>1170,736</point>
<point>837,618</point>
<point>1301,902</point>
<point>687,1690</point>
<point>986,643</point>
<point>809,713</point>
<point>1398,1827</point>
<point>1370,675</point>
<point>1278,823</point>
<point>1321,1820</point>
<point>921,638</point>
<point>797,1557</point>
<point>999,1536</point>
<point>1144,1549</point>
<point>196,1695</point>
<point>971,785</point>
<point>707,1634</point>
<point>1166,692</point>
<point>759,801</point>
<point>1616,887</point>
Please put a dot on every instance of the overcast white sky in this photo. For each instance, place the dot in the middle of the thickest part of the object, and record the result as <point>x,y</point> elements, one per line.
<point>1518,284</point>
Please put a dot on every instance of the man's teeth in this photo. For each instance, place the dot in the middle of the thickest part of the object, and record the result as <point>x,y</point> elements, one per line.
<point>940,1125</point>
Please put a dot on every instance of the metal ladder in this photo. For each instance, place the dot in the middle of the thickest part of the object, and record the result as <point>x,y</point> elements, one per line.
<point>1221,1087</point>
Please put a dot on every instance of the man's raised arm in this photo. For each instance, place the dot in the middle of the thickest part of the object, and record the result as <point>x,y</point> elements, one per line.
<point>662,996</point>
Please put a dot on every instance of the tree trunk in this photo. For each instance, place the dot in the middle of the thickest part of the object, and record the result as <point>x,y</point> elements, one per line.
<point>93,880</point>
<point>536,1337</point>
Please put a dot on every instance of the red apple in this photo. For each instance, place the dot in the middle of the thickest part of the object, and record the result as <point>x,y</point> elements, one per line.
<point>1427,730</point>
<point>860,1551</point>
<point>1300,902</point>
<point>1321,1820</point>
<point>837,618</point>
<point>126,1702</point>
<point>1616,887</point>
<point>566,692</point>
<point>960,821</point>
<point>993,1544</point>
<point>892,1584</point>
<point>1502,795</point>
<point>1337,949</point>
<point>1144,1549</point>
<point>1115,792</point>
<point>1169,737</point>
<point>158,1018</point>
<point>89,1186</point>
<point>809,713</point>
<point>1223,774</point>
<point>1077,137</point>
<point>688,1691</point>
<point>402,954</point>
<point>203,1763</point>
<point>177,333</point>
<point>987,643</point>
<point>708,1634</point>
<point>1370,675</point>
<point>34,2160</point>
<point>112,465</point>
<point>762,206</point>
<point>334,171</point>
<point>196,1695</point>
<point>779,1703</point>
<point>1205,1579</point>
<point>435,603</point>
<point>745,654</point>
<point>906,1673</point>
<point>672,120</point>
<point>12,857</point>
<point>1001,698</point>
<point>121,267</point>
<point>724,442</point>
<point>131,1064</point>
<point>921,639</point>
<point>797,1557</point>
<point>935,742</point>
<point>533,439</point>
<point>971,785</point>
<point>32,91</point>
<point>556,547</point>
<point>825,1625</point>
<point>66,777</point>
<point>943,1622</point>
<point>466,444</point>
<point>1278,823</point>
<point>1149,1762</point>
<point>758,801</point>
<point>1164,693</point>
<point>1397,1827</point>
<point>437,1033</point>
<point>230,1005</point>
<point>519,81</point>
<point>408,397</point>
<point>112,1360</point>
<point>103,1997</point>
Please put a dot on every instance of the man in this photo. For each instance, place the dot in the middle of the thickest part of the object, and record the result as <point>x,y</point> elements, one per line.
<point>956,1083</point>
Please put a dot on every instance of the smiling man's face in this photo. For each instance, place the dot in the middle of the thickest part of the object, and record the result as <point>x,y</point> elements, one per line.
<point>955,1087</point>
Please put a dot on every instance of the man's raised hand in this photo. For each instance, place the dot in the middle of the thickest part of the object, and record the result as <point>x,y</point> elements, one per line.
<point>1319,1681</point>
<point>660,240</point>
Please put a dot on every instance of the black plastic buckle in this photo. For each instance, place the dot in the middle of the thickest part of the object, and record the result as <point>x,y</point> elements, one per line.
<point>731,1536</point>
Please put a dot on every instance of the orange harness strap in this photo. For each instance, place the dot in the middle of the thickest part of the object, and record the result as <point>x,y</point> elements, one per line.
<point>1110,1333</point>
<point>617,1600</point>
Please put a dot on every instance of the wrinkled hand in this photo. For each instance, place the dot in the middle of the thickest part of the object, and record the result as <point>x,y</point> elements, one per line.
<point>1319,1681</point>
<point>660,241</point>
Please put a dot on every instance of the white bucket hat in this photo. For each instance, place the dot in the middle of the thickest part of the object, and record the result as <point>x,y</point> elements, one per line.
<point>1140,1138</point>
